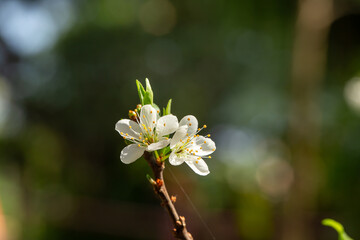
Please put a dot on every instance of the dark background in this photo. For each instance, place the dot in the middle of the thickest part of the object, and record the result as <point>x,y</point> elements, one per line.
<point>278,89</point>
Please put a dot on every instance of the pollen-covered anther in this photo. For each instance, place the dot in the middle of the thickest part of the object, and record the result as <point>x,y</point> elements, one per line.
<point>204,126</point>
<point>139,145</point>
<point>204,141</point>
<point>140,137</point>
<point>126,134</point>
<point>188,119</point>
<point>209,156</point>
<point>213,149</point>
<point>146,139</point>
<point>130,127</point>
<point>173,199</point>
<point>164,124</point>
<point>158,111</point>
<point>150,111</point>
<point>121,133</point>
<point>200,147</point>
<point>166,138</point>
<point>199,129</point>
<point>143,116</point>
<point>208,135</point>
<point>197,161</point>
<point>187,134</point>
<point>199,158</point>
<point>153,122</point>
<point>189,124</point>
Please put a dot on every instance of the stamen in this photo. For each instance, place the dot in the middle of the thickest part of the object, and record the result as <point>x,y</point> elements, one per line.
<point>204,126</point>
<point>208,135</point>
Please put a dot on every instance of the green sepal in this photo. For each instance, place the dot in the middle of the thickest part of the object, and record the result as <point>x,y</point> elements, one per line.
<point>141,91</point>
<point>167,110</point>
<point>338,227</point>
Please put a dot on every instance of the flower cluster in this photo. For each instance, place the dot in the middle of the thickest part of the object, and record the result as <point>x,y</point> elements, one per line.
<point>164,135</point>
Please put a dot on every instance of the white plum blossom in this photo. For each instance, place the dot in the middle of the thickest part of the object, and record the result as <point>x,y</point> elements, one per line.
<point>147,133</point>
<point>189,147</point>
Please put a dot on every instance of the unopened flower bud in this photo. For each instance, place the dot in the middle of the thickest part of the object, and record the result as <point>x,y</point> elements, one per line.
<point>132,115</point>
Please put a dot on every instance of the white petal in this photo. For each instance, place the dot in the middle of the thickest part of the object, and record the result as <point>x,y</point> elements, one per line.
<point>167,125</point>
<point>199,166</point>
<point>179,134</point>
<point>129,127</point>
<point>190,121</point>
<point>175,160</point>
<point>203,146</point>
<point>131,153</point>
<point>148,116</point>
<point>158,145</point>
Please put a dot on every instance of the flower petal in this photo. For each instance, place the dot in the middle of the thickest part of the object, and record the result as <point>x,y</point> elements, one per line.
<point>167,125</point>
<point>199,166</point>
<point>190,121</point>
<point>175,160</point>
<point>203,146</point>
<point>128,128</point>
<point>131,153</point>
<point>158,145</point>
<point>179,134</point>
<point>148,116</point>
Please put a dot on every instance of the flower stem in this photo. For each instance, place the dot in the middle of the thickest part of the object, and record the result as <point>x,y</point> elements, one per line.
<point>180,230</point>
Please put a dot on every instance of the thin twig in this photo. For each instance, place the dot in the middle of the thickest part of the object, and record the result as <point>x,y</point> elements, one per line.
<point>180,231</point>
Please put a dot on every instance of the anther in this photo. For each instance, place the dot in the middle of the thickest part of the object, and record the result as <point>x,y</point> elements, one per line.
<point>204,126</point>
<point>209,156</point>
<point>164,124</point>
<point>153,121</point>
<point>188,119</point>
<point>204,141</point>
<point>157,111</point>
<point>189,124</point>
<point>150,111</point>
<point>197,161</point>
<point>138,145</point>
<point>173,199</point>
<point>213,149</point>
<point>129,126</point>
<point>208,135</point>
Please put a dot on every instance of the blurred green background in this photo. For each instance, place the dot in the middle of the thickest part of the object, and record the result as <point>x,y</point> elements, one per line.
<point>277,83</point>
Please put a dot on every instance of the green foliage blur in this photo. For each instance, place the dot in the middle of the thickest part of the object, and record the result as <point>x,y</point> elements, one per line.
<point>67,75</point>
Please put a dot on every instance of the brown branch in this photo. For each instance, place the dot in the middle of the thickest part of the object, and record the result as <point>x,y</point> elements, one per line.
<point>180,231</point>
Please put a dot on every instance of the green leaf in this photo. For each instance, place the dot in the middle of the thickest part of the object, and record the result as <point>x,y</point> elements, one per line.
<point>149,96</point>
<point>167,111</point>
<point>141,91</point>
<point>338,227</point>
